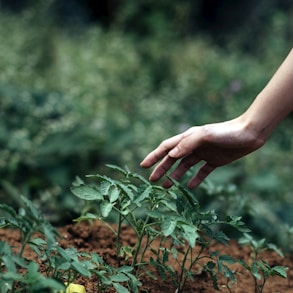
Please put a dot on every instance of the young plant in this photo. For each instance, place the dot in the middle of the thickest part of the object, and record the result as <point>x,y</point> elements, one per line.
<point>154,213</point>
<point>28,221</point>
<point>62,266</point>
<point>33,281</point>
<point>258,268</point>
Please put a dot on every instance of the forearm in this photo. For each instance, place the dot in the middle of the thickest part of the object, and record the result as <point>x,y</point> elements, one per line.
<point>273,103</point>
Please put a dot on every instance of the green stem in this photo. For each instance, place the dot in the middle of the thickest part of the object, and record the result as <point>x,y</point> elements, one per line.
<point>118,244</point>
<point>140,235</point>
<point>24,242</point>
<point>182,277</point>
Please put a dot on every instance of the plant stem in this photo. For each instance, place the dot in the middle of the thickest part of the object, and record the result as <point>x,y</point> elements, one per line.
<point>140,235</point>
<point>118,243</point>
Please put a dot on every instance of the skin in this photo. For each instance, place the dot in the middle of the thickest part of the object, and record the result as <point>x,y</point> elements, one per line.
<point>221,143</point>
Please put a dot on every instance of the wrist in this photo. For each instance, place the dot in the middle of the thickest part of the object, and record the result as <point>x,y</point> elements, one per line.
<point>253,129</point>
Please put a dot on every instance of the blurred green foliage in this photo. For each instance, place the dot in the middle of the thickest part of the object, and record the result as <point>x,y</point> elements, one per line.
<point>74,98</point>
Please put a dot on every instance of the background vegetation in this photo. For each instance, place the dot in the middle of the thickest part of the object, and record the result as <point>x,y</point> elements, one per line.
<point>85,83</point>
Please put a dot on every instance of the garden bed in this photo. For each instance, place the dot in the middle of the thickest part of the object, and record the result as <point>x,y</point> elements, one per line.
<point>96,237</point>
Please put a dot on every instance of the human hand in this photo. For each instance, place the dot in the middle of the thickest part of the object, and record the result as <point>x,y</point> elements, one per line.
<point>216,144</point>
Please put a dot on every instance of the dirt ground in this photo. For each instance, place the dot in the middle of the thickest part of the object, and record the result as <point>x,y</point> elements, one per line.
<point>96,237</point>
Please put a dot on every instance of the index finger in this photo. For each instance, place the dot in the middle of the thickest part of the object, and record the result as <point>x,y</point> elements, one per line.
<point>161,151</point>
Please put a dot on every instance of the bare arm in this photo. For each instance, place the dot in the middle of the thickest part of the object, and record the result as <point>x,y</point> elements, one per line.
<point>222,143</point>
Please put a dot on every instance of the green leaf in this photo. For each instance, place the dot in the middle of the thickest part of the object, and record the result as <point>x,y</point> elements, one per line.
<point>165,255</point>
<point>11,276</point>
<point>229,274</point>
<point>8,210</point>
<point>227,258</point>
<point>211,265</point>
<point>168,226</point>
<point>119,278</point>
<point>106,208</point>
<point>127,191</point>
<point>134,283</point>
<point>154,214</point>
<point>114,193</point>
<point>100,274</point>
<point>117,168</point>
<point>86,192</point>
<point>81,269</point>
<point>5,248</point>
<point>86,217</point>
<point>9,263</point>
<point>222,237</point>
<point>119,288</point>
<point>171,205</point>
<point>125,269</point>
<point>139,200</point>
<point>46,283</point>
<point>275,249</point>
<point>190,234</point>
<point>279,271</point>
<point>245,265</point>
<point>78,181</point>
<point>35,213</point>
<point>104,187</point>
<point>255,271</point>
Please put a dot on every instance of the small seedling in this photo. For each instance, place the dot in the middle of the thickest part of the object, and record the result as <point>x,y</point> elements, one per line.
<point>258,268</point>
<point>63,266</point>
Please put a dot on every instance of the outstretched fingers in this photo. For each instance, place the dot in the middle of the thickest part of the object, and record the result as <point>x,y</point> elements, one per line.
<point>162,168</point>
<point>185,164</point>
<point>160,152</point>
<point>203,172</point>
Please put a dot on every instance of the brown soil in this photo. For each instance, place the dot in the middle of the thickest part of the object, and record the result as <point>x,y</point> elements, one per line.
<point>98,238</point>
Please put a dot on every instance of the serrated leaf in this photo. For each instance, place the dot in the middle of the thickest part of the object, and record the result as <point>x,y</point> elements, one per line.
<point>168,226</point>
<point>127,191</point>
<point>102,278</point>
<point>227,258</point>
<point>8,210</point>
<point>275,249</point>
<point>87,216</point>
<point>78,181</point>
<point>171,205</point>
<point>35,213</point>
<point>255,271</point>
<point>154,214</point>
<point>47,283</point>
<point>86,192</point>
<point>117,168</point>
<point>133,282</point>
<point>229,274</point>
<point>114,193</point>
<point>190,234</point>
<point>138,201</point>
<point>9,263</point>
<point>81,269</point>
<point>104,187</point>
<point>119,278</point>
<point>279,271</point>
<point>125,269</point>
<point>106,208</point>
<point>119,288</point>
<point>221,237</point>
<point>9,276</point>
